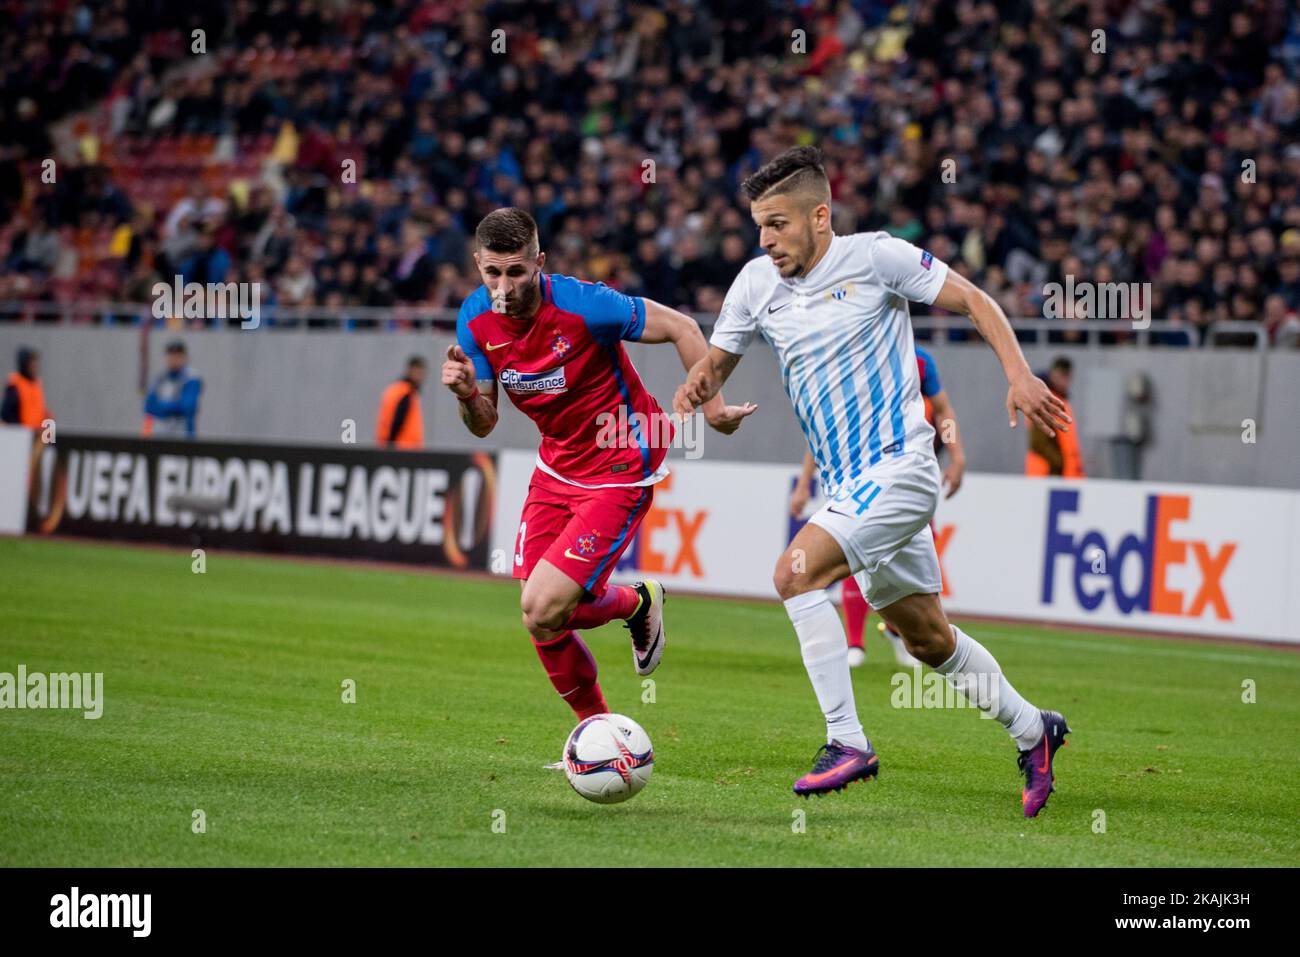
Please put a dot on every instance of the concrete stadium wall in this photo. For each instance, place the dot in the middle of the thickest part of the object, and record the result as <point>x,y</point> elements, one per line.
<point>298,387</point>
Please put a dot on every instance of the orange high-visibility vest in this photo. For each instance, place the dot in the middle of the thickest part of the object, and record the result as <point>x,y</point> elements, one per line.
<point>411,433</point>
<point>1035,465</point>
<point>1071,457</point>
<point>31,400</point>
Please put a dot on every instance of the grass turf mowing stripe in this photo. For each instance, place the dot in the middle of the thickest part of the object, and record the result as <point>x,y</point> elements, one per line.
<point>223,693</point>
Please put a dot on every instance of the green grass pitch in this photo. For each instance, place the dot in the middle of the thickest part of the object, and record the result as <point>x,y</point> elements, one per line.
<point>223,693</point>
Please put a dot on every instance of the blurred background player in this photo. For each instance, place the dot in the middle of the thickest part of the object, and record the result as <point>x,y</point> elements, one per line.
<point>555,344</point>
<point>941,415</point>
<point>172,405</point>
<point>1056,454</point>
<point>401,422</point>
<point>24,397</point>
<point>834,309</point>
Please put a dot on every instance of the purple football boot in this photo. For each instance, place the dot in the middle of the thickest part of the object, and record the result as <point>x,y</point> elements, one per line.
<point>1037,763</point>
<point>835,767</point>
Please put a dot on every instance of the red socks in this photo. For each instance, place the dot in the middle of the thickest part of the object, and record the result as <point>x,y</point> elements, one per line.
<point>568,661</point>
<point>618,602</point>
<point>572,670</point>
<point>856,610</point>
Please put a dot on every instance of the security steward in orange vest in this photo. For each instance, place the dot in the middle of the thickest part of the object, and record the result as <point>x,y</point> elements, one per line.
<point>24,398</point>
<point>401,423</point>
<point>1059,454</point>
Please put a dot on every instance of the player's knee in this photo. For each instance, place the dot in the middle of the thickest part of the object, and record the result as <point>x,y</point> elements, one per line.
<point>541,616</point>
<point>787,581</point>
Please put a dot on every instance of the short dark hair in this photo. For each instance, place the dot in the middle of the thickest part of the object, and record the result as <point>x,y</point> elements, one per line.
<point>415,362</point>
<point>1063,364</point>
<point>506,230</point>
<point>176,345</point>
<point>796,170</point>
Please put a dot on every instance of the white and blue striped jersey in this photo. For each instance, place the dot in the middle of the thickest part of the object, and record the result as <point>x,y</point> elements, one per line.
<point>843,337</point>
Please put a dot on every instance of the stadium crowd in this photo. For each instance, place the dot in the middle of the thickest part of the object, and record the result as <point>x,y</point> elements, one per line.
<point>1021,140</point>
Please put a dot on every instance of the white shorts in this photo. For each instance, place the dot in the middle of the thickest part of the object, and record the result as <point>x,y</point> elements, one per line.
<point>882,523</point>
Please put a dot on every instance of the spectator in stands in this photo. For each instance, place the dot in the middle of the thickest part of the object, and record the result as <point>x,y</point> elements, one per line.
<point>1127,163</point>
<point>208,263</point>
<point>401,422</point>
<point>1058,454</point>
<point>172,405</point>
<point>192,209</point>
<point>24,396</point>
<point>34,247</point>
<point>296,283</point>
<point>415,269</point>
<point>448,242</point>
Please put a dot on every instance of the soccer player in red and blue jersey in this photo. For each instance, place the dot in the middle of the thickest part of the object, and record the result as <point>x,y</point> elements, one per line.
<point>555,345</point>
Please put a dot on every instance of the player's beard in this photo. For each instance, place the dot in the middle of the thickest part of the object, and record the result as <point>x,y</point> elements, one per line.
<point>797,259</point>
<point>524,304</point>
<point>804,256</point>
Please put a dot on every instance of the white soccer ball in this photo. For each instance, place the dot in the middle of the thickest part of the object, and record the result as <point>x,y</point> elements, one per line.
<point>608,758</point>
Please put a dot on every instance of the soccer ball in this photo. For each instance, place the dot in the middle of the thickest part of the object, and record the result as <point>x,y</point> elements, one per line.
<point>608,758</point>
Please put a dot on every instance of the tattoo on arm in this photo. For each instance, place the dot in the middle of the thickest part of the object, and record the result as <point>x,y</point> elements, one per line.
<point>480,414</point>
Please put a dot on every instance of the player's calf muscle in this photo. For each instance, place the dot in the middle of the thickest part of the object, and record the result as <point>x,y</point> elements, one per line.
<point>921,621</point>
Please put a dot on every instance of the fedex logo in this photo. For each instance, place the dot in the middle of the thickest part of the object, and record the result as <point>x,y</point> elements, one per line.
<point>666,541</point>
<point>1157,550</point>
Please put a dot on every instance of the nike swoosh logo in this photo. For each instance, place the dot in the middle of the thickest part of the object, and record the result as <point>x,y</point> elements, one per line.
<point>831,772</point>
<point>845,514</point>
<point>569,554</point>
<point>1043,769</point>
<point>649,654</point>
<point>492,348</point>
<point>772,309</point>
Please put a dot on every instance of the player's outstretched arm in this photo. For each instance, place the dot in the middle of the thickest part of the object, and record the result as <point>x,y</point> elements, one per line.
<point>478,400</point>
<point>704,380</point>
<point>668,325</point>
<point>1027,392</point>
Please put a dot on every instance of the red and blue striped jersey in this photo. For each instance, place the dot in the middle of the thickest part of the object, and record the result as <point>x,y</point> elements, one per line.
<point>566,369</point>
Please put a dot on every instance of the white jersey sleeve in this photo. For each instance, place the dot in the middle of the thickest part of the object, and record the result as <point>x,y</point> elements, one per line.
<point>737,322</point>
<point>908,271</point>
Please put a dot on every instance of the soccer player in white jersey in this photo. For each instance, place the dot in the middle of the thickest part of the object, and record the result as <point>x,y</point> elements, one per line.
<point>834,309</point>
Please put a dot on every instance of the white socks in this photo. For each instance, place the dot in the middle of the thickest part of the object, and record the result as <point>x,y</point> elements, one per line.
<point>825,656</point>
<point>971,670</point>
<point>974,672</point>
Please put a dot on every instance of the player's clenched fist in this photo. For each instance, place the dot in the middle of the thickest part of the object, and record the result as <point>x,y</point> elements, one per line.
<point>692,393</point>
<point>458,373</point>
